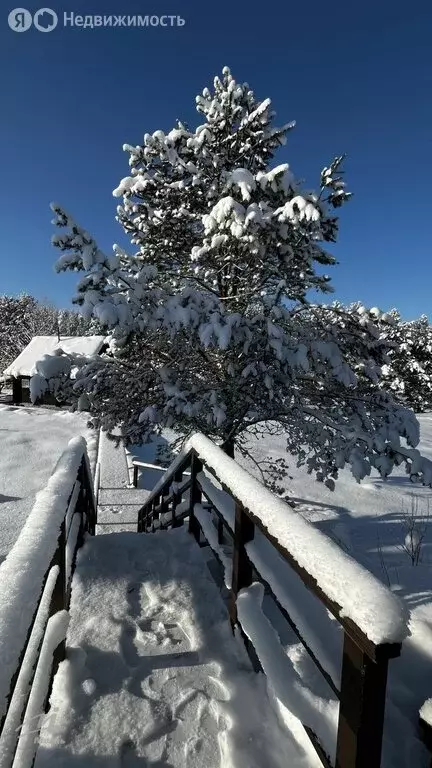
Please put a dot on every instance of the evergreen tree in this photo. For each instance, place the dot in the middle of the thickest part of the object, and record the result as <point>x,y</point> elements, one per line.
<point>72,323</point>
<point>21,318</point>
<point>408,374</point>
<point>210,321</point>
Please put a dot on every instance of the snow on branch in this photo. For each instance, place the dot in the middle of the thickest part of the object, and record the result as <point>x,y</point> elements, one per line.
<point>210,317</point>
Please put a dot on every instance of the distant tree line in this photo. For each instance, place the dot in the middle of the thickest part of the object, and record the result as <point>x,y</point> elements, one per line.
<point>408,371</point>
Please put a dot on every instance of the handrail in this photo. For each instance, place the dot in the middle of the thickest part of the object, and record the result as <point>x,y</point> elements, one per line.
<point>365,659</point>
<point>38,572</point>
<point>180,462</point>
<point>136,464</point>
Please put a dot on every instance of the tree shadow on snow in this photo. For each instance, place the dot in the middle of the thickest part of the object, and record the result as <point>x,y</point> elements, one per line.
<point>4,498</point>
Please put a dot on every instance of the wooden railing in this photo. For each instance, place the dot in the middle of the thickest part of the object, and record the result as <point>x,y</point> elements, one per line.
<point>166,496</point>
<point>137,465</point>
<point>17,726</point>
<point>362,689</point>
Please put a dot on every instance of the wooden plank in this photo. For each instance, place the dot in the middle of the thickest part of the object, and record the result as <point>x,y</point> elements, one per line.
<point>59,597</point>
<point>220,531</point>
<point>147,465</point>
<point>178,477</point>
<point>86,503</point>
<point>167,500</point>
<point>217,511</point>
<point>362,706</point>
<point>195,496</point>
<point>242,568</point>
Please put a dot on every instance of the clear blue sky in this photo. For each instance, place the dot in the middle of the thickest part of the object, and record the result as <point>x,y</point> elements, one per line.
<point>356,76</point>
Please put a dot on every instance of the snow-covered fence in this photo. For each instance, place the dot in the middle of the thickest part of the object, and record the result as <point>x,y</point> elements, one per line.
<point>35,584</point>
<point>374,620</point>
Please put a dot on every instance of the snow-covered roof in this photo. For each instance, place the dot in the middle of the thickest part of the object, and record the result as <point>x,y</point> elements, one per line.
<point>24,365</point>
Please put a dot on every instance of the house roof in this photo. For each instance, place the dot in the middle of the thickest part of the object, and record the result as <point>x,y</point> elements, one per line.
<point>24,365</point>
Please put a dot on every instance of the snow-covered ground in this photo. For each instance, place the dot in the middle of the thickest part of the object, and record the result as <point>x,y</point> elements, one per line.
<point>31,442</point>
<point>153,674</point>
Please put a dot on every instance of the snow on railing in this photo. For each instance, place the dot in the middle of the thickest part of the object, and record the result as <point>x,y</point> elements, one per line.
<point>373,619</point>
<point>28,594</point>
<point>380,615</point>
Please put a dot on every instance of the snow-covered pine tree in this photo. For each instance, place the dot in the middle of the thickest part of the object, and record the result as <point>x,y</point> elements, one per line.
<point>14,318</point>
<point>408,374</point>
<point>72,323</point>
<point>407,371</point>
<point>210,321</point>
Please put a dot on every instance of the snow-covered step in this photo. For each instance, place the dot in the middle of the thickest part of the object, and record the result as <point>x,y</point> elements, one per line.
<point>118,503</point>
<point>126,497</point>
<point>153,674</point>
<point>118,509</point>
<point>114,471</point>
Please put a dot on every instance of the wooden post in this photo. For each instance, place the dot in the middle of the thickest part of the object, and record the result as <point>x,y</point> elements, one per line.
<point>148,518</point>
<point>155,514</point>
<point>242,568</point>
<point>16,391</point>
<point>195,496</point>
<point>220,530</point>
<point>59,597</point>
<point>164,506</point>
<point>361,711</point>
<point>142,518</point>
<point>85,502</point>
<point>135,476</point>
<point>58,602</point>
<point>178,478</point>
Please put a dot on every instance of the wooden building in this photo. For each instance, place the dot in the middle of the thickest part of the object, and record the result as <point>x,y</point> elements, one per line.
<point>22,369</point>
